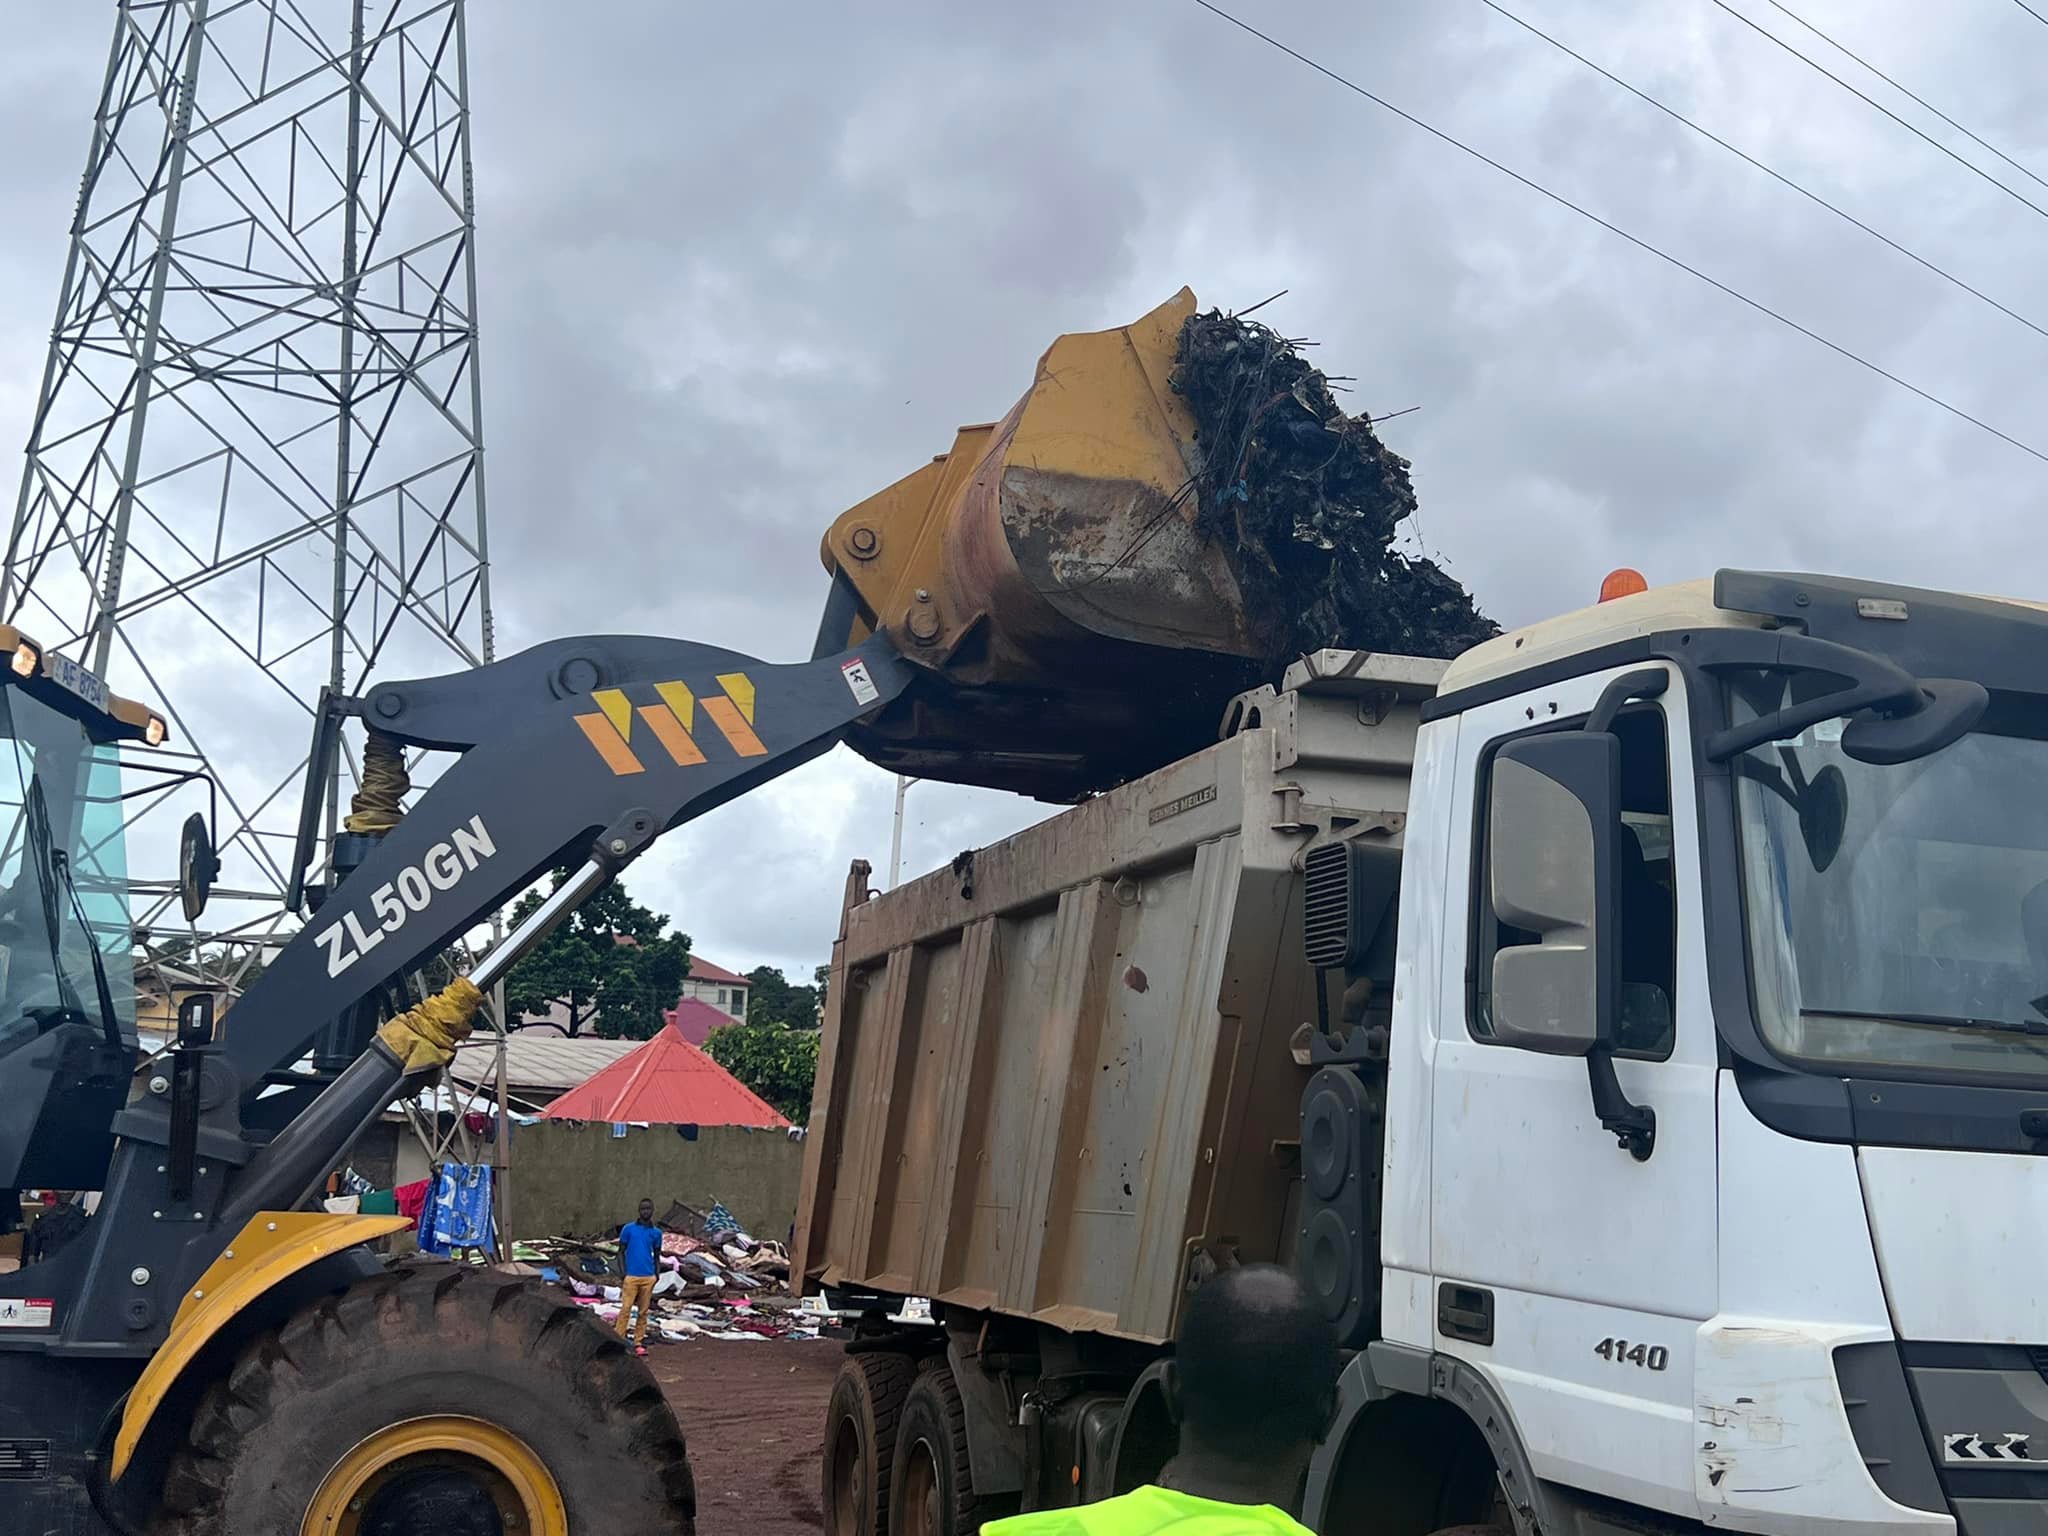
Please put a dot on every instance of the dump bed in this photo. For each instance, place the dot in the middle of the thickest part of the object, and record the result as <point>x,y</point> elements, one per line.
<point>1059,1073</point>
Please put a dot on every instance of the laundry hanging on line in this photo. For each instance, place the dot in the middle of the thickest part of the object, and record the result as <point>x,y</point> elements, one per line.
<point>459,1213</point>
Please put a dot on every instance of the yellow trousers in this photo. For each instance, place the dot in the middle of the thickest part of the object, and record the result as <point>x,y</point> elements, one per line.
<point>635,1291</point>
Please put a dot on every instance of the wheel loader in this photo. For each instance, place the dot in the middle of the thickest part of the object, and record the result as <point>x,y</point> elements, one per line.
<point>211,1353</point>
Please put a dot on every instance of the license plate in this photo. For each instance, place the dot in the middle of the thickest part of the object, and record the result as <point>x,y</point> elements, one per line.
<point>70,676</point>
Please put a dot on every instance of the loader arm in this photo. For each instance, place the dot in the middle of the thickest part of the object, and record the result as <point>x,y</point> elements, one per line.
<point>581,751</point>
<point>595,746</point>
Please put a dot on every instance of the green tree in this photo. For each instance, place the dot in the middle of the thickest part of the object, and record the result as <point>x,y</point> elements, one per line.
<point>822,977</point>
<point>612,964</point>
<point>778,1063</point>
<point>773,999</point>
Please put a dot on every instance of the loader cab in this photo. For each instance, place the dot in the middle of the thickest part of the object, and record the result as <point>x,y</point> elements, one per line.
<point>67,986</point>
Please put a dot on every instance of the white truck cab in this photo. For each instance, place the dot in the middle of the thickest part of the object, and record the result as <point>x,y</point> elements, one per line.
<point>1717,1081</point>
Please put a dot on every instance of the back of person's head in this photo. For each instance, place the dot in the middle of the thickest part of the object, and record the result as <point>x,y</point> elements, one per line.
<point>1255,1365</point>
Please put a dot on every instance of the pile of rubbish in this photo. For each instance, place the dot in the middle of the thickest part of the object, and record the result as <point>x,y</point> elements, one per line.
<point>716,1281</point>
<point>1309,499</point>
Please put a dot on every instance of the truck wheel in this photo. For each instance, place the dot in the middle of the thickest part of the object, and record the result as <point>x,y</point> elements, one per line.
<point>932,1489</point>
<point>433,1398</point>
<point>860,1441</point>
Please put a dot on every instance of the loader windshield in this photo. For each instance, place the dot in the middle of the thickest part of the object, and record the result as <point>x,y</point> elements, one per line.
<point>1898,915</point>
<point>63,873</point>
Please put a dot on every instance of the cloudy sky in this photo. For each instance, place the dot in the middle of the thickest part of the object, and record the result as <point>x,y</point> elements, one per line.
<point>742,266</point>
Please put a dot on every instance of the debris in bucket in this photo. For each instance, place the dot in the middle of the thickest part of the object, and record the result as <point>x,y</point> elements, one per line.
<point>1309,499</point>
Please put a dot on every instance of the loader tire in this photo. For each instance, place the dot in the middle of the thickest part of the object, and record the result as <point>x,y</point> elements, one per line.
<point>860,1441</point>
<point>931,1491</point>
<point>439,1398</point>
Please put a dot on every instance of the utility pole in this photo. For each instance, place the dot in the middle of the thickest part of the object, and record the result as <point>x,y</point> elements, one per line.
<point>501,1183</point>
<point>903,785</point>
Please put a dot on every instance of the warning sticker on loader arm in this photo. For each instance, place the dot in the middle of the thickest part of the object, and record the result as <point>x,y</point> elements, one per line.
<point>859,682</point>
<point>17,1312</point>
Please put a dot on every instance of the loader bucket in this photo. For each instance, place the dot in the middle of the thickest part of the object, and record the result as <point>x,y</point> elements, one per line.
<point>1046,576</point>
<point>1174,511</point>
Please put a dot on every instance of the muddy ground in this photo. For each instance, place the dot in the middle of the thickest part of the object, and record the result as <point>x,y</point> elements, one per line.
<point>754,1416</point>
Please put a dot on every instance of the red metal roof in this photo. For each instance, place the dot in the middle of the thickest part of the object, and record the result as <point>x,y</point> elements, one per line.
<point>667,1081</point>
<point>697,1018</point>
<point>704,970</point>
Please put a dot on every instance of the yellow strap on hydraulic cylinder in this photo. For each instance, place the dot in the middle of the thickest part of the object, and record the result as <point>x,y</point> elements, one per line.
<point>425,1037</point>
<point>379,805</point>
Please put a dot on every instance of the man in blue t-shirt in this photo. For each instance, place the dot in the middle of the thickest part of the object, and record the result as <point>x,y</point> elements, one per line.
<point>640,1247</point>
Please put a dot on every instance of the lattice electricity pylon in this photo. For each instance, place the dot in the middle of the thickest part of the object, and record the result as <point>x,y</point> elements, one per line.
<point>256,465</point>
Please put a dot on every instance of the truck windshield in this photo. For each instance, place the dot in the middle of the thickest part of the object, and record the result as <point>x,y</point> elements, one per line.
<point>63,873</point>
<point>1898,916</point>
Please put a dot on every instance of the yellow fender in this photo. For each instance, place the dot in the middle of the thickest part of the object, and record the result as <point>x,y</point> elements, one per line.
<point>272,1247</point>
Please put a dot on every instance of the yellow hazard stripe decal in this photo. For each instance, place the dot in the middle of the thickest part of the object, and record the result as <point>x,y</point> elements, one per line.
<point>740,689</point>
<point>617,709</point>
<point>671,722</point>
<point>677,696</point>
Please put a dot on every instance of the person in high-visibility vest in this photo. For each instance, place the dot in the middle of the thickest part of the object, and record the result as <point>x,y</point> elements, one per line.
<point>1253,1383</point>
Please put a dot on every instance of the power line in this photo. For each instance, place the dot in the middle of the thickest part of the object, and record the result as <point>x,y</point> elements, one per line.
<point>1614,229</point>
<point>1869,101</point>
<point>1916,100</point>
<point>1805,192</point>
<point>2022,4</point>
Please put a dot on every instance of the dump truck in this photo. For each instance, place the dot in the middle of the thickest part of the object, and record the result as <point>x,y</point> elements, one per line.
<point>1631,1032</point>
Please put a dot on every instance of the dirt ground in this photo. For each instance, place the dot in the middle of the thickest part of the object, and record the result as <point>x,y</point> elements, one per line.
<point>754,1417</point>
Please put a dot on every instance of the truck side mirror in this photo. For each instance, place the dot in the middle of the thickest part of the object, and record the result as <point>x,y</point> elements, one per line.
<point>1553,832</point>
<point>1554,812</point>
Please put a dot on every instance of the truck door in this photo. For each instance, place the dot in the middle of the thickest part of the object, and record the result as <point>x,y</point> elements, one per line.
<point>1575,1275</point>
